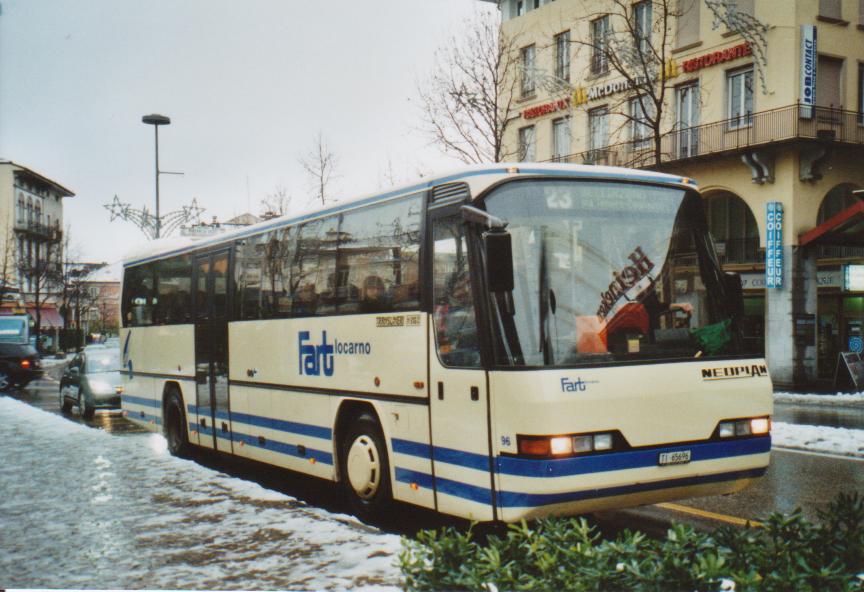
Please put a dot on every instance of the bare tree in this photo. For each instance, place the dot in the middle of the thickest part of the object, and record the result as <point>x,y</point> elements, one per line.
<point>43,268</point>
<point>469,99</point>
<point>75,295</point>
<point>275,204</point>
<point>320,164</point>
<point>8,279</point>
<point>637,53</point>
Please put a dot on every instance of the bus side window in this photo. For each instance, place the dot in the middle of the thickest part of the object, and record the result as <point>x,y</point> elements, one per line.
<point>454,318</point>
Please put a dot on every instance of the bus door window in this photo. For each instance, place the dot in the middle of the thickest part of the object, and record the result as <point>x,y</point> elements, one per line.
<point>454,315</point>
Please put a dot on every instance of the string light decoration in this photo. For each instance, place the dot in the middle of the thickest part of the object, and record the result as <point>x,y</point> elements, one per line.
<point>751,29</point>
<point>147,222</point>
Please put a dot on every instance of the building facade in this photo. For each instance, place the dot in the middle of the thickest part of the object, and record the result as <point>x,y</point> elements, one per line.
<point>761,102</point>
<point>31,245</point>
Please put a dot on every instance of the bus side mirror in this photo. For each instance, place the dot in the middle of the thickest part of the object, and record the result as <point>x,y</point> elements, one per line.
<point>735,294</point>
<point>499,261</point>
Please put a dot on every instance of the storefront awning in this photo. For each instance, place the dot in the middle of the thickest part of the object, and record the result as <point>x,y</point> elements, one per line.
<point>49,318</point>
<point>846,229</point>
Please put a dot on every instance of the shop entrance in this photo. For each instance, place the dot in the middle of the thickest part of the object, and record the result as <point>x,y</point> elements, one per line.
<point>841,327</point>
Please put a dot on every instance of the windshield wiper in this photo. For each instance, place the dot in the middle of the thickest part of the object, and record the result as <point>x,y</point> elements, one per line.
<point>545,297</point>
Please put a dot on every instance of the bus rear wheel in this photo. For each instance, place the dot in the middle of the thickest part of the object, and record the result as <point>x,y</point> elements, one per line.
<point>175,427</point>
<point>365,469</point>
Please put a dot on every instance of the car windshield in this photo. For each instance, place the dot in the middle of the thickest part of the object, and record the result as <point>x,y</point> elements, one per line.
<point>103,361</point>
<point>608,271</point>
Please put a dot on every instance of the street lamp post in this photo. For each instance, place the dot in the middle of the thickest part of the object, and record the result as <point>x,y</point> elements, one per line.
<point>156,120</point>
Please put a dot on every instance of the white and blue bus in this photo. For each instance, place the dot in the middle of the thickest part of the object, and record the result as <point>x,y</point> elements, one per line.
<point>505,342</point>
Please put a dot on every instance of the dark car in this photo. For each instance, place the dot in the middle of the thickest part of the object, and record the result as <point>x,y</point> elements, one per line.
<point>92,381</point>
<point>19,364</point>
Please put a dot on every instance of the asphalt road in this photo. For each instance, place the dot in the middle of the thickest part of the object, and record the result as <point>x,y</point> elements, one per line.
<point>794,480</point>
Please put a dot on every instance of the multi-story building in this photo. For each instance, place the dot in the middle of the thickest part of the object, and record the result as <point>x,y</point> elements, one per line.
<point>31,243</point>
<point>760,101</point>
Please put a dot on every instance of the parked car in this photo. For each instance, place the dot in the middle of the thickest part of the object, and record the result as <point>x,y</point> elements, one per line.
<point>92,381</point>
<point>19,364</point>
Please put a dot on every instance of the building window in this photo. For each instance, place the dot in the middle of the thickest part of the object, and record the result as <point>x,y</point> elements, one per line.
<point>561,139</point>
<point>861,89</point>
<point>642,110</point>
<point>528,70</point>
<point>562,55</point>
<point>642,25</point>
<point>688,120</point>
<point>526,144</point>
<point>739,85</point>
<point>829,82</point>
<point>687,23</point>
<point>599,45</point>
<point>831,9</point>
<point>733,227</point>
<point>22,209</point>
<point>520,7</point>
<point>598,129</point>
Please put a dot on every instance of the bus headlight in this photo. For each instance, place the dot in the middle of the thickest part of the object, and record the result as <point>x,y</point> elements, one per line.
<point>760,425</point>
<point>561,445</point>
<point>603,442</point>
<point>726,429</point>
<point>751,426</point>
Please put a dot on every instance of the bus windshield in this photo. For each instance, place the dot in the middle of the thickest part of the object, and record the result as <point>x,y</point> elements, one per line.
<point>606,272</point>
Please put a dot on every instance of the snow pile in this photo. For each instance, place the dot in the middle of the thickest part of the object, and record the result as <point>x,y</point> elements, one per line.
<point>842,399</point>
<point>84,509</point>
<point>818,438</point>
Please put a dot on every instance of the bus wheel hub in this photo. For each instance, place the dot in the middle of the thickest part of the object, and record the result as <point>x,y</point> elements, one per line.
<point>363,465</point>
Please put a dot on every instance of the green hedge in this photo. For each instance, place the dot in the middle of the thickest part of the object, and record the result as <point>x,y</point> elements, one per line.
<point>786,553</point>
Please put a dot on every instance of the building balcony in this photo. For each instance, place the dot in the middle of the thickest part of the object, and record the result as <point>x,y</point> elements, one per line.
<point>38,230</point>
<point>765,128</point>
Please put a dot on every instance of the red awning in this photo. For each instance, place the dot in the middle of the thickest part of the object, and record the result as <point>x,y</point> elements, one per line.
<point>50,318</point>
<point>846,229</point>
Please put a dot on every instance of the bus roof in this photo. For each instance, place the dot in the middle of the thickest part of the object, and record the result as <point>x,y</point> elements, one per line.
<point>171,246</point>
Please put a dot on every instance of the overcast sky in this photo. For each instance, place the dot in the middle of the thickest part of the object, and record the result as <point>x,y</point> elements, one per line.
<point>247,85</point>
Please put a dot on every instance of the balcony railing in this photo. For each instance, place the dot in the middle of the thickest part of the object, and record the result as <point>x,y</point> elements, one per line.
<point>795,122</point>
<point>739,250</point>
<point>38,229</point>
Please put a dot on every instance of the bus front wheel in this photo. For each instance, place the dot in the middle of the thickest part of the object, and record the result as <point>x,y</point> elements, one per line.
<point>175,426</point>
<point>365,469</point>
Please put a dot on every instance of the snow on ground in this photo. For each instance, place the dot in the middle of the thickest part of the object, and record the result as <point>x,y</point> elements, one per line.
<point>84,509</point>
<point>842,399</point>
<point>818,438</point>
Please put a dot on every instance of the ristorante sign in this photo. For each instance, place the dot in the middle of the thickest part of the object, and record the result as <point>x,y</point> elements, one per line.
<point>716,57</point>
<point>546,108</point>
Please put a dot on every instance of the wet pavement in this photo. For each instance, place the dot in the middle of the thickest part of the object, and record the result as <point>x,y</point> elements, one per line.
<point>834,416</point>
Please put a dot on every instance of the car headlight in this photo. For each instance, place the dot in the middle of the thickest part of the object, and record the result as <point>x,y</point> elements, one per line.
<point>101,386</point>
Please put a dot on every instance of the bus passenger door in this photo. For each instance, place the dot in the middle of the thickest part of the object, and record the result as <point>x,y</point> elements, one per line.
<point>458,397</point>
<point>211,350</point>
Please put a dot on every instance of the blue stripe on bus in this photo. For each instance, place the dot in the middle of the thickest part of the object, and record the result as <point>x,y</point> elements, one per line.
<point>283,448</point>
<point>145,417</point>
<point>616,461</point>
<point>304,429</point>
<point>511,499</point>
<point>141,401</point>
<point>451,456</point>
<point>633,459</point>
<point>290,427</point>
<point>408,476</point>
<point>660,178</point>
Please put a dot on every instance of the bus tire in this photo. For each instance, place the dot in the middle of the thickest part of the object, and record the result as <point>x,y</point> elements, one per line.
<point>364,468</point>
<point>175,430</point>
